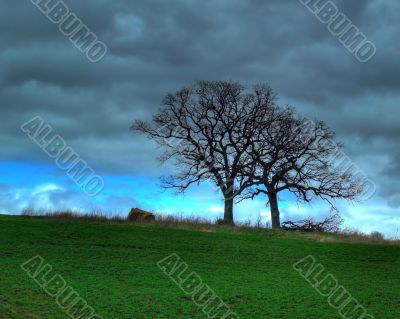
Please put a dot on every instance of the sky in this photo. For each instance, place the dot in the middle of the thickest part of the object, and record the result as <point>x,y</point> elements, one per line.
<point>155,47</point>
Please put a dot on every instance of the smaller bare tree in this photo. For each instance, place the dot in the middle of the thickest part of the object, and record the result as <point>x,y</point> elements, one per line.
<point>297,155</point>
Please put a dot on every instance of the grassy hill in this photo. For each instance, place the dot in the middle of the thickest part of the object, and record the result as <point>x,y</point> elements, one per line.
<point>114,268</point>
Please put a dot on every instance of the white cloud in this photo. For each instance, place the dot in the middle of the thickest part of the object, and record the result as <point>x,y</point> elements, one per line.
<point>216,209</point>
<point>45,188</point>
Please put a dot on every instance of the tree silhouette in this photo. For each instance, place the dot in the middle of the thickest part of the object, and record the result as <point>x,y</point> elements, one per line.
<point>247,145</point>
<point>208,129</point>
<point>298,155</point>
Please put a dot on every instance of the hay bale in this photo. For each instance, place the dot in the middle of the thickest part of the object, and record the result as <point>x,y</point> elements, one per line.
<point>138,215</point>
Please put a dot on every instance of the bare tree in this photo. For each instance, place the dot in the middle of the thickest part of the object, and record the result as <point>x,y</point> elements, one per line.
<point>208,130</point>
<point>297,155</point>
<point>247,145</point>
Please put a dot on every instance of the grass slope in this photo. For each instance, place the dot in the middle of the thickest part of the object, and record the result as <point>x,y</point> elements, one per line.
<point>113,266</point>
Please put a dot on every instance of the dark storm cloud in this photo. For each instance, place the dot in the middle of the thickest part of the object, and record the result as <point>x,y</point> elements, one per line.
<point>158,46</point>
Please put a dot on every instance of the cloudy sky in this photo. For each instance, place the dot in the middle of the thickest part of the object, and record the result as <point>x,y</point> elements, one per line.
<point>157,46</point>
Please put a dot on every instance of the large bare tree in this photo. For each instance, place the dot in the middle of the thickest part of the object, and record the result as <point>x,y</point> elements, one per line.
<point>297,155</point>
<point>247,145</point>
<point>208,129</point>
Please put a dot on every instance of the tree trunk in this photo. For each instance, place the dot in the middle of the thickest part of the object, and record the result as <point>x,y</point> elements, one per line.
<point>273,204</point>
<point>228,213</point>
<point>228,192</point>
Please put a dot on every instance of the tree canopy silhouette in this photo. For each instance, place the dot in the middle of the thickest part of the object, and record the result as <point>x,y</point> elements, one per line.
<point>208,129</point>
<point>243,142</point>
<point>297,155</point>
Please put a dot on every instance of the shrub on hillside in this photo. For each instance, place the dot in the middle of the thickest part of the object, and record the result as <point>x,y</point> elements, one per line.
<point>330,224</point>
<point>376,235</point>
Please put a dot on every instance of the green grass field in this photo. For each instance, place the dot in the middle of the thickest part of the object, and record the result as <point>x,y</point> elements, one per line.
<point>114,268</point>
